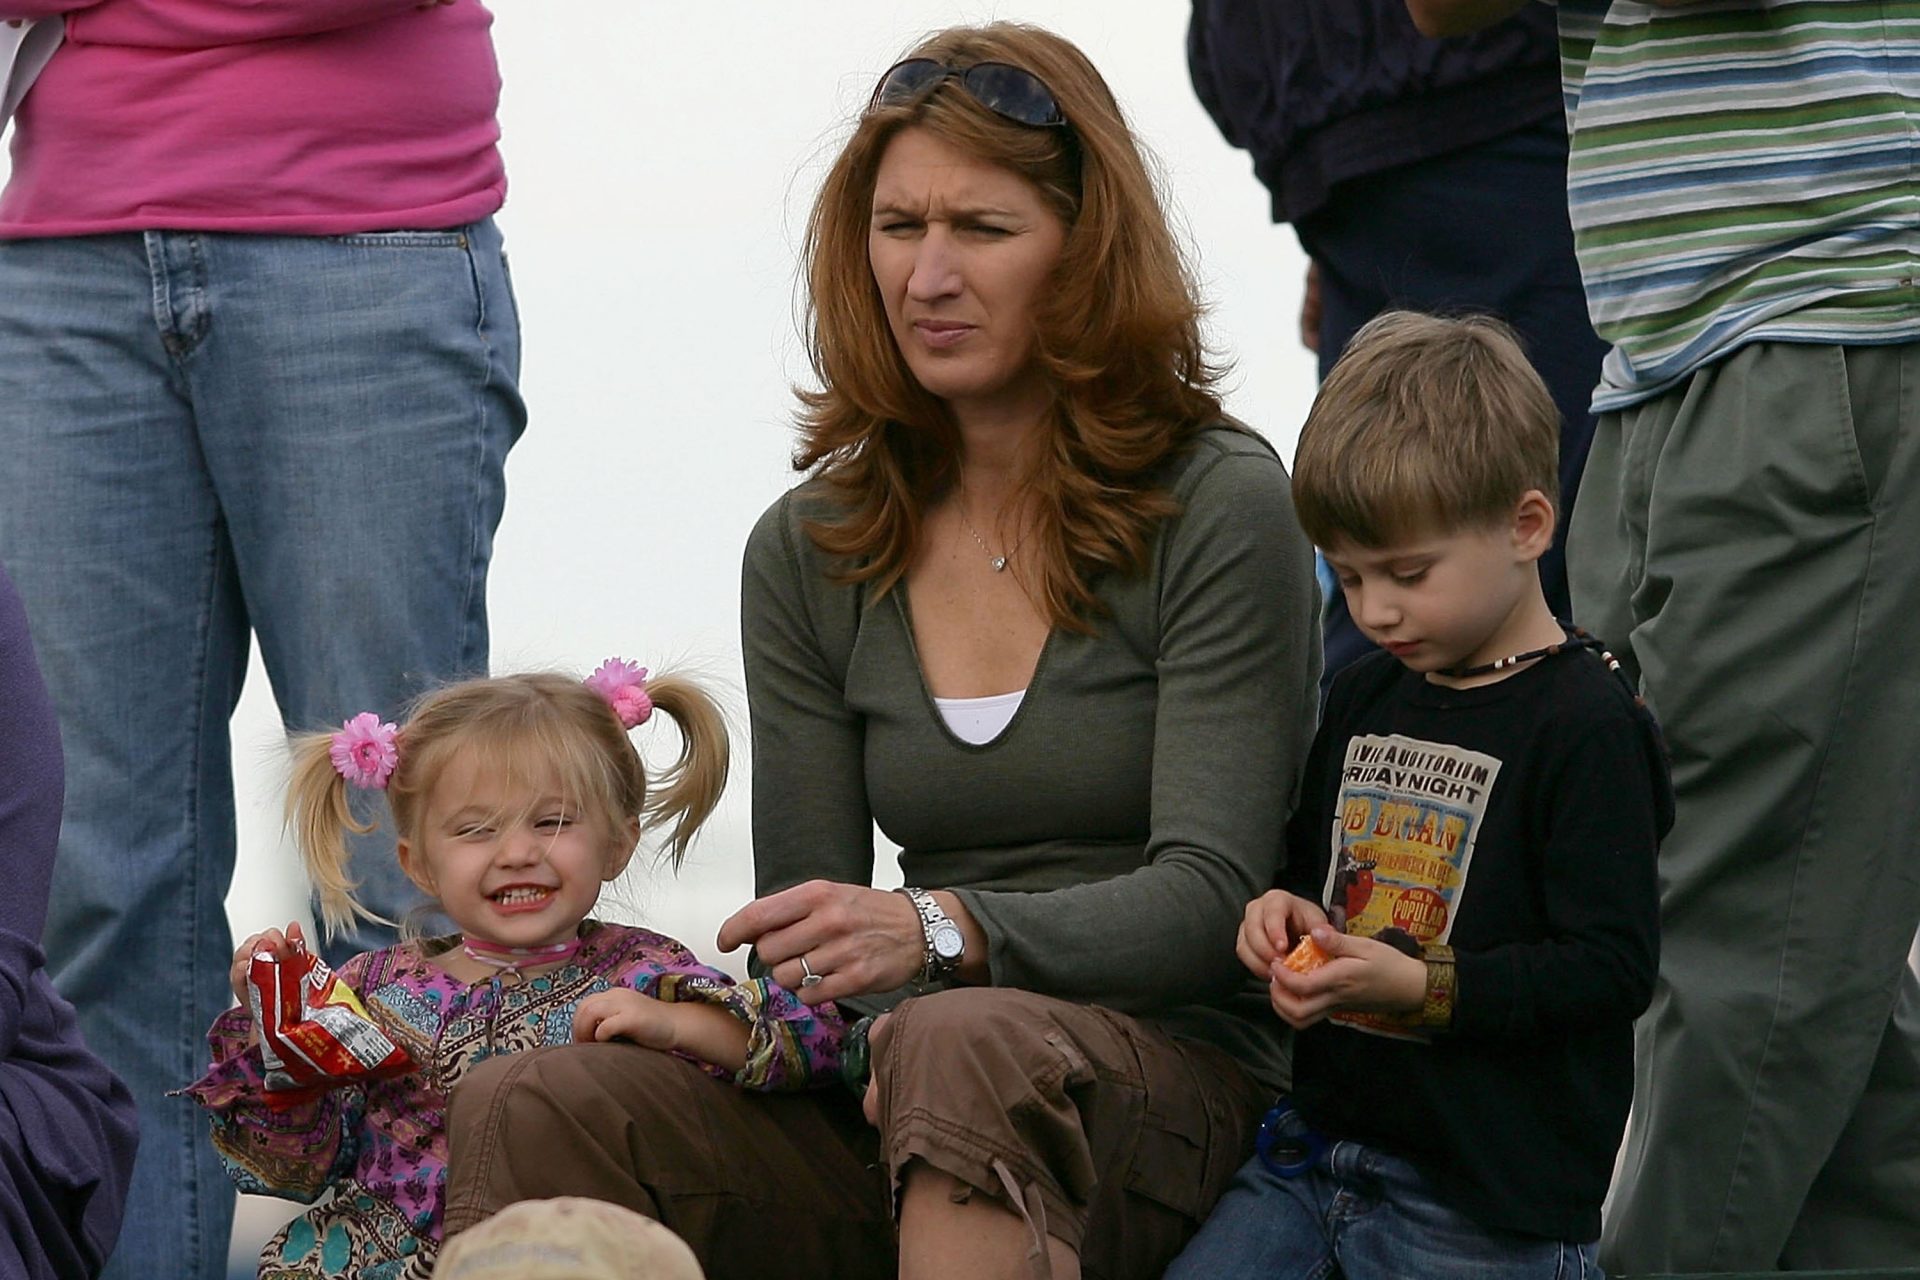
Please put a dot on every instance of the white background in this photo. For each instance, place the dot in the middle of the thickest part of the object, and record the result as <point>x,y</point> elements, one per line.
<point>662,158</point>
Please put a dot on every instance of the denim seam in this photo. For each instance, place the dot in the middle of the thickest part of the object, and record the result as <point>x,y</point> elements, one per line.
<point>479,459</point>
<point>160,292</point>
<point>400,241</point>
<point>180,334</point>
<point>194,869</point>
<point>199,318</point>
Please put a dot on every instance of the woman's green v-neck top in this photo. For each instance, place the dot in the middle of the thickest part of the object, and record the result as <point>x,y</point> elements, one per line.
<point>1109,839</point>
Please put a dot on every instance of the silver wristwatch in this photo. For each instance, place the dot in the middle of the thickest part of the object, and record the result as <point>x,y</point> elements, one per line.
<point>946,945</point>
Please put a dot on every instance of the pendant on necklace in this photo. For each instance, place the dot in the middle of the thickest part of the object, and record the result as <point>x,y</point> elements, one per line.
<point>999,564</point>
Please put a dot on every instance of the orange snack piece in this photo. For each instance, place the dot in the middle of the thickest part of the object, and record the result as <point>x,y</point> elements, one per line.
<point>1306,956</point>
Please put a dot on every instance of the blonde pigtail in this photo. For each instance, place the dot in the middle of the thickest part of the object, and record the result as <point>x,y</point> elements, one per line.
<point>320,817</point>
<point>686,791</point>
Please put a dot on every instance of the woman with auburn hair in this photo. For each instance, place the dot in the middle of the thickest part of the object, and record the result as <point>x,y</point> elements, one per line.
<point>1046,617</point>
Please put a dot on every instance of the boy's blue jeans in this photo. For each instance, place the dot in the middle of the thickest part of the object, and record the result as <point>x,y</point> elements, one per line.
<point>1365,1215</point>
<point>207,438</point>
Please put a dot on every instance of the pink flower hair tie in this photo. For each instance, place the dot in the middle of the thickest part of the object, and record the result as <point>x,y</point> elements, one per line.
<point>365,751</point>
<point>624,686</point>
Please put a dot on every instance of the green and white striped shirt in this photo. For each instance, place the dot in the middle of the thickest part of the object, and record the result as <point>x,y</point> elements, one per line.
<point>1739,171</point>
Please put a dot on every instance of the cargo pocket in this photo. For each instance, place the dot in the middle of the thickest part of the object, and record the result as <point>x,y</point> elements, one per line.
<point>1189,1145</point>
<point>1052,1119</point>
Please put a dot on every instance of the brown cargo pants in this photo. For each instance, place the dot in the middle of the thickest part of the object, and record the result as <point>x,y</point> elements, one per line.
<point>1116,1137</point>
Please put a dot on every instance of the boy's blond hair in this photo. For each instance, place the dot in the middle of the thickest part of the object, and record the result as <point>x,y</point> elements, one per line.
<point>1426,425</point>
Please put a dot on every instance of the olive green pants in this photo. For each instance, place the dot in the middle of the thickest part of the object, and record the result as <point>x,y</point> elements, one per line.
<point>1750,544</point>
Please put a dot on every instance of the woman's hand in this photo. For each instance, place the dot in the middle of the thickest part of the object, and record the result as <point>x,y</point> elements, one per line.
<point>280,945</point>
<point>854,938</point>
<point>1360,975</point>
<point>1273,925</point>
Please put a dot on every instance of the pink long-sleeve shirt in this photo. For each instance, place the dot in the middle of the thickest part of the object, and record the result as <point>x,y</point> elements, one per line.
<point>297,117</point>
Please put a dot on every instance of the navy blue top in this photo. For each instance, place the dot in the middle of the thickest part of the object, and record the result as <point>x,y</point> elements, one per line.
<point>1320,91</point>
<point>67,1127</point>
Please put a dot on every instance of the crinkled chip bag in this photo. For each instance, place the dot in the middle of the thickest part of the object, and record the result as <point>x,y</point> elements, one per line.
<point>314,1032</point>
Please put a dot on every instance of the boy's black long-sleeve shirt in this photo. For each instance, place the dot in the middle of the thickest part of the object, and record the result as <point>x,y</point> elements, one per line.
<point>1517,822</point>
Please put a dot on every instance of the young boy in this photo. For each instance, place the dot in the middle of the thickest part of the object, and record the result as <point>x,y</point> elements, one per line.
<point>1473,854</point>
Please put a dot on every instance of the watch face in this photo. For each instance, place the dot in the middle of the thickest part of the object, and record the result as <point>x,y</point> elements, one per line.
<point>948,943</point>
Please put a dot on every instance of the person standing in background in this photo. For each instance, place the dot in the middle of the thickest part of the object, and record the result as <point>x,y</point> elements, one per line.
<point>68,1129</point>
<point>1418,173</point>
<point>1743,189</point>
<point>258,378</point>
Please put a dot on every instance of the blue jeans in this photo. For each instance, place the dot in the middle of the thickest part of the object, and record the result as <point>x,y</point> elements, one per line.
<point>207,437</point>
<point>1365,1215</point>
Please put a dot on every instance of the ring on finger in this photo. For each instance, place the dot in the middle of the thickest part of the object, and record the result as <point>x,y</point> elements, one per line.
<point>809,978</point>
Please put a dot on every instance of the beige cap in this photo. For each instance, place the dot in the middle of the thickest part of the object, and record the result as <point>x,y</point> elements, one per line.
<point>567,1239</point>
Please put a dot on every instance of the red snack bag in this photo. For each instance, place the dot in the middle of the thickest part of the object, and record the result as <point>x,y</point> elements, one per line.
<point>314,1032</point>
<point>1306,955</point>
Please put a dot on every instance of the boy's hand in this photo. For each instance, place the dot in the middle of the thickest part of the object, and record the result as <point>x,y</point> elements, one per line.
<point>1360,975</point>
<point>1273,923</point>
<point>626,1014</point>
<point>274,942</point>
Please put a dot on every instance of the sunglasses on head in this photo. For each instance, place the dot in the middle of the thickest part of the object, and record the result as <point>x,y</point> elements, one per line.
<point>1000,87</point>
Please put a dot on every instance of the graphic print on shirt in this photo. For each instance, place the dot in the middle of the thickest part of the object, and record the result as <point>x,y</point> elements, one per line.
<point>1403,831</point>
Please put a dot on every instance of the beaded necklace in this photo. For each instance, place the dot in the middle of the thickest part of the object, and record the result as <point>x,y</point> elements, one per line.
<point>1576,638</point>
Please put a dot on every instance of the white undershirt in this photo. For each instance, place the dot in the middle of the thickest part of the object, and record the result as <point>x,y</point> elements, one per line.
<point>978,721</point>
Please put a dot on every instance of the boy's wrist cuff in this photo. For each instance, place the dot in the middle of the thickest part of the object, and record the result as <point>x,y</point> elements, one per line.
<point>1436,1012</point>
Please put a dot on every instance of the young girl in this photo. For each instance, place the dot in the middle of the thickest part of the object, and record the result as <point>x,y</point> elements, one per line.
<point>513,799</point>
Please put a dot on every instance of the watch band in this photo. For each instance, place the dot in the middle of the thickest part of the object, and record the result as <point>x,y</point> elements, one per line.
<point>932,921</point>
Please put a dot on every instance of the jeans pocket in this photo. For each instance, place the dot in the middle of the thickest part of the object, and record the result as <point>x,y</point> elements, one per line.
<point>1581,1262</point>
<point>513,303</point>
<point>455,239</point>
